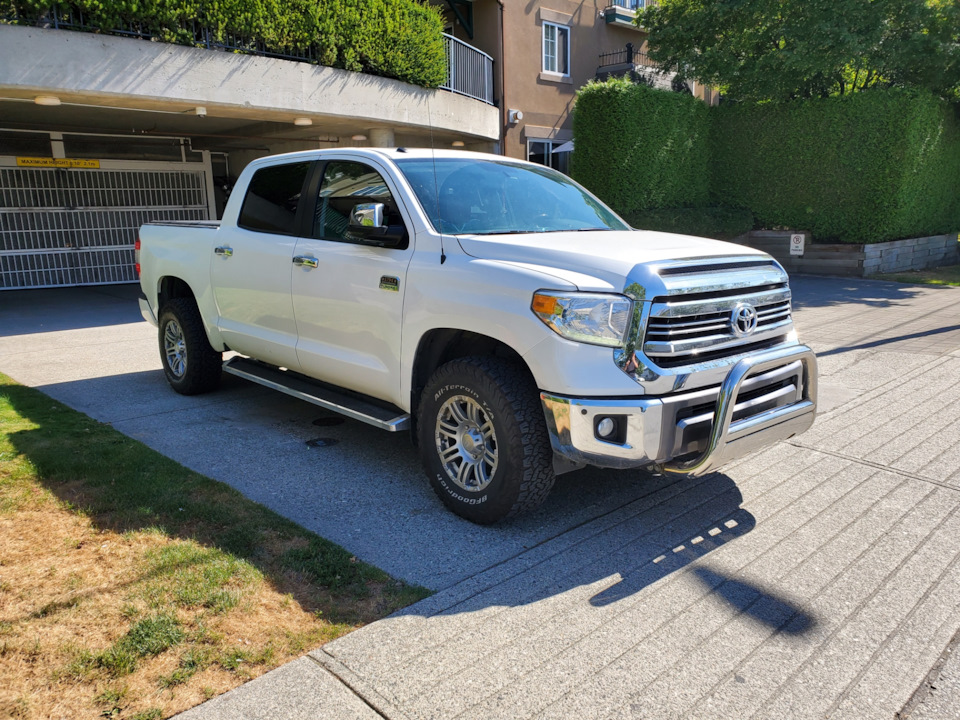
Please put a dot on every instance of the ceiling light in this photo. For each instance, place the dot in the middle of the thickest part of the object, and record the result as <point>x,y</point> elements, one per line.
<point>458,143</point>
<point>303,122</point>
<point>51,100</point>
<point>359,137</point>
<point>200,111</point>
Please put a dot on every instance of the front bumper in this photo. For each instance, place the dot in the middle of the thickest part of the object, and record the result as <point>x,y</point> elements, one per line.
<point>764,398</point>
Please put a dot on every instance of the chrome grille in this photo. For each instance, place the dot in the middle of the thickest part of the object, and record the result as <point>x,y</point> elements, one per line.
<point>686,329</point>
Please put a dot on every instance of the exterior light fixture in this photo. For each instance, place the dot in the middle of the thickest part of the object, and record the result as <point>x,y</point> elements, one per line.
<point>200,111</point>
<point>50,100</point>
<point>358,137</point>
<point>303,122</point>
<point>458,143</point>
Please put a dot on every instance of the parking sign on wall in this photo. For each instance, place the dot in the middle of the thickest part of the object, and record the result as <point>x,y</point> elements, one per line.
<point>796,244</point>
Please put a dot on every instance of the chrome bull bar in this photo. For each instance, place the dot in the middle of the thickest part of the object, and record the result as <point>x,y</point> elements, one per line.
<point>729,440</point>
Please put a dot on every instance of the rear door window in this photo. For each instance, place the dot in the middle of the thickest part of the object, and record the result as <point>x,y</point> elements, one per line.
<point>273,198</point>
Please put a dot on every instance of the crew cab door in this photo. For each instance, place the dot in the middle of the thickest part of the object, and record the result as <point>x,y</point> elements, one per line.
<point>348,295</point>
<point>251,272</point>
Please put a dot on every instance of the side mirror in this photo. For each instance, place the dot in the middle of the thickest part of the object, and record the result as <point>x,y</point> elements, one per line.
<point>367,226</point>
<point>367,215</point>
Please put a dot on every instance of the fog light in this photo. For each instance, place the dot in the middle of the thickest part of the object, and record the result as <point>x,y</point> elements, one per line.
<point>606,427</point>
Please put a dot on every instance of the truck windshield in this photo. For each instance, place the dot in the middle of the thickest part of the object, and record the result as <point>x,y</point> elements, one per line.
<point>489,197</point>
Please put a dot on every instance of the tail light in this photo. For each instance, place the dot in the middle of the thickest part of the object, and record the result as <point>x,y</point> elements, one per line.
<point>136,255</point>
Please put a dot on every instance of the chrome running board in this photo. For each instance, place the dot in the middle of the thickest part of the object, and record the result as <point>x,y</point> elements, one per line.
<point>353,405</point>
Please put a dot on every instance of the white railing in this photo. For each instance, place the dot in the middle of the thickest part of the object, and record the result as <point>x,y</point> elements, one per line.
<point>469,71</point>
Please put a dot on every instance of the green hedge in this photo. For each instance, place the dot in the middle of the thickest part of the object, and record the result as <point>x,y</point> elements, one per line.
<point>394,38</point>
<point>714,222</point>
<point>638,148</point>
<point>868,167</point>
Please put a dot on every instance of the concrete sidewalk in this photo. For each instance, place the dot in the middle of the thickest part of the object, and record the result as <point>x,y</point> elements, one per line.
<point>818,578</point>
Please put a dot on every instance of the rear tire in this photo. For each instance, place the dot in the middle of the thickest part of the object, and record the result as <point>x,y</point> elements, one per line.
<point>191,365</point>
<point>483,439</point>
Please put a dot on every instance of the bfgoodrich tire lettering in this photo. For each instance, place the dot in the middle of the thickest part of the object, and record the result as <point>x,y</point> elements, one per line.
<point>483,439</point>
<point>191,365</point>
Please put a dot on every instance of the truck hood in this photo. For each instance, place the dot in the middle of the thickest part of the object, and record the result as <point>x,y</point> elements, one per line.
<point>604,260</point>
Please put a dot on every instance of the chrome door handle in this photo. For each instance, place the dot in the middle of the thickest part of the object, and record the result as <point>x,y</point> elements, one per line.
<point>302,261</point>
<point>223,250</point>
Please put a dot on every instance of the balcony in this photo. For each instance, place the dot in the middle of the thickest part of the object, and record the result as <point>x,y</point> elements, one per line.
<point>624,12</point>
<point>635,63</point>
<point>469,71</point>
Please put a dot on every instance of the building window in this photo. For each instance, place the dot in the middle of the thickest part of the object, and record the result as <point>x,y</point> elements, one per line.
<point>556,49</point>
<point>544,152</point>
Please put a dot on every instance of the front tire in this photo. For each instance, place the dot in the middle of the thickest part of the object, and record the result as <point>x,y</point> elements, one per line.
<point>483,439</point>
<point>191,365</point>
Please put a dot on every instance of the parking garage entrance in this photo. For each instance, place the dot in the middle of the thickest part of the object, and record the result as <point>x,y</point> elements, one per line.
<point>73,219</point>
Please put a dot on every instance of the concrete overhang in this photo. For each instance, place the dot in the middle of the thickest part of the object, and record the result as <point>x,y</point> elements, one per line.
<point>240,93</point>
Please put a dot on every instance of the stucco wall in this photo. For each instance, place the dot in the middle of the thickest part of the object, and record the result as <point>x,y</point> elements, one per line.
<point>545,103</point>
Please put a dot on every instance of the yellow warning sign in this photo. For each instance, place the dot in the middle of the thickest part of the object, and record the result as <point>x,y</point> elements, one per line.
<point>56,162</point>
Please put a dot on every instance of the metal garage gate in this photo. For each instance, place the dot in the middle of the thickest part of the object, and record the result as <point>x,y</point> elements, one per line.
<point>71,226</point>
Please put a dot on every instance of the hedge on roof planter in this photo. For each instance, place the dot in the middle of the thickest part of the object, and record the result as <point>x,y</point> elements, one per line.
<point>873,166</point>
<point>402,39</point>
<point>638,148</point>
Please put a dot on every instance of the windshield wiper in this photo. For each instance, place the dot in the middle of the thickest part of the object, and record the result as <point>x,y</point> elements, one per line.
<point>507,232</point>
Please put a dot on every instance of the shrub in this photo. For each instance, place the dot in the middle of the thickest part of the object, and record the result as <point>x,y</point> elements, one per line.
<point>638,148</point>
<point>393,38</point>
<point>869,167</point>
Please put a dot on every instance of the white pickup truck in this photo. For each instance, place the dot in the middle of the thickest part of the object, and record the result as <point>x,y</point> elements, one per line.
<point>507,318</point>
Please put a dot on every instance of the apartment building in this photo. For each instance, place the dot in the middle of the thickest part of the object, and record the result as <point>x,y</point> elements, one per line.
<point>543,51</point>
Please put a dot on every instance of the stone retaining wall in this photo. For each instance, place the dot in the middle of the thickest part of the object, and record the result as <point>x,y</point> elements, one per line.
<point>854,260</point>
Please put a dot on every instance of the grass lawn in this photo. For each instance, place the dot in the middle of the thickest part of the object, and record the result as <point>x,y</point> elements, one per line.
<point>131,587</point>
<point>947,275</point>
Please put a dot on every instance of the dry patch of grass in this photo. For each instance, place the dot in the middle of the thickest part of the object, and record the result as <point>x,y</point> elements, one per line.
<point>946,275</point>
<point>131,587</point>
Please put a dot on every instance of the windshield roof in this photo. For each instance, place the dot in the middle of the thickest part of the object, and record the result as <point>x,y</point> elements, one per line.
<point>488,197</point>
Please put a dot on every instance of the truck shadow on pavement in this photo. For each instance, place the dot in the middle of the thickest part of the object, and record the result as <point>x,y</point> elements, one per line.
<point>812,291</point>
<point>664,536</point>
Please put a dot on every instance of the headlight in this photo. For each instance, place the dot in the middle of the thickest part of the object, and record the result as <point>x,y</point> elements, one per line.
<point>585,317</point>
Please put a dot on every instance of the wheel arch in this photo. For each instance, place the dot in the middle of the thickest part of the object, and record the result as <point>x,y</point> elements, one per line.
<point>441,345</point>
<point>170,287</point>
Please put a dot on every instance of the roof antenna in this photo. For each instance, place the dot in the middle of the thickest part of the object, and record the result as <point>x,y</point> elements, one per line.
<point>436,182</point>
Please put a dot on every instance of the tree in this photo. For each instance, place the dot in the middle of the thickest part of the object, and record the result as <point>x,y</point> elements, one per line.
<point>785,49</point>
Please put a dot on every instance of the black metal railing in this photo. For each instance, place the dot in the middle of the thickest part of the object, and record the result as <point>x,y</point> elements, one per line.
<point>627,56</point>
<point>186,33</point>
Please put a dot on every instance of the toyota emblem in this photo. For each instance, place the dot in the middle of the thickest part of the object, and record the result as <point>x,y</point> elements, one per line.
<point>743,319</point>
